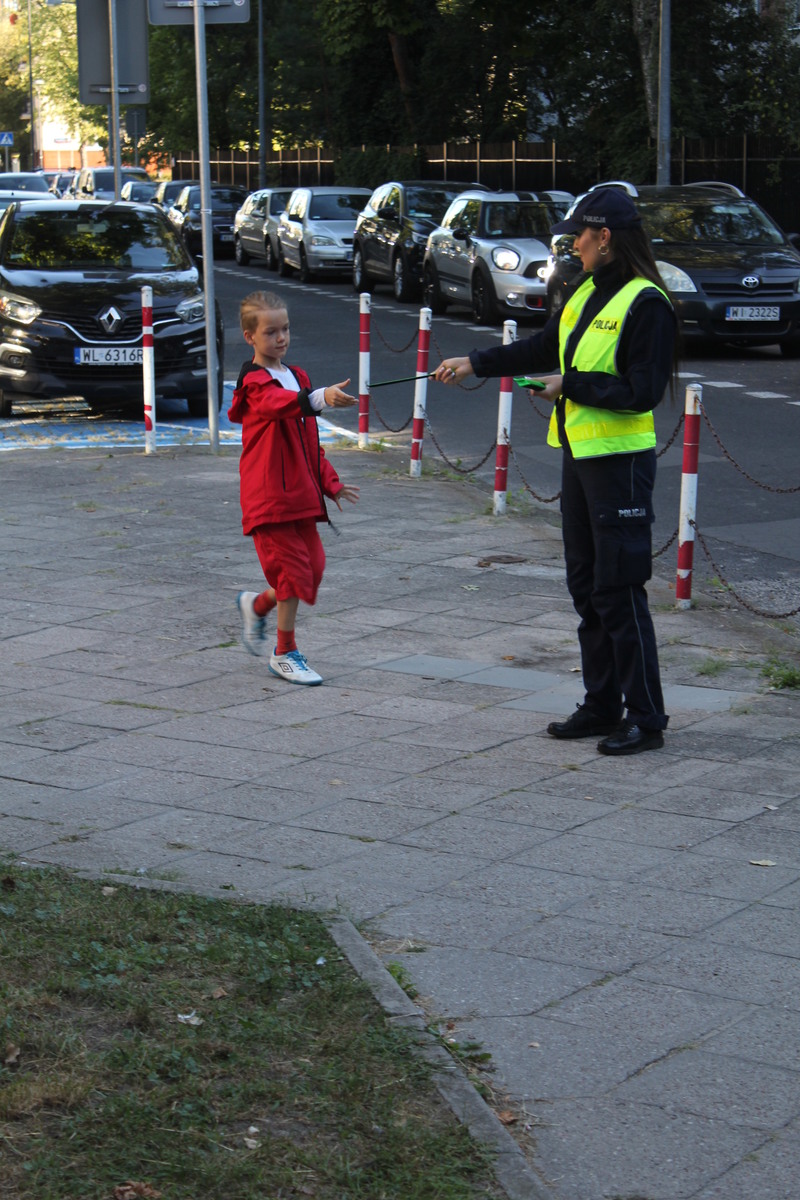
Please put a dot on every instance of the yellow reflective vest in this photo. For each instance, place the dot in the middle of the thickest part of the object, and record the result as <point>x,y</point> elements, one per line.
<point>592,432</point>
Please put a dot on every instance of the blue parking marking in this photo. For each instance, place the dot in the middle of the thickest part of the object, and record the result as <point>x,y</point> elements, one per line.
<point>72,425</point>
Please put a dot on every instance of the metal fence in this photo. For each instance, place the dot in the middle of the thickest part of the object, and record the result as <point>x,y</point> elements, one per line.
<point>763,167</point>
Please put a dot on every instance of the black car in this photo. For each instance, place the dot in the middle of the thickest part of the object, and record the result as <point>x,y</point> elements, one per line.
<point>71,279</point>
<point>731,273</point>
<point>168,190</point>
<point>392,231</point>
<point>185,215</point>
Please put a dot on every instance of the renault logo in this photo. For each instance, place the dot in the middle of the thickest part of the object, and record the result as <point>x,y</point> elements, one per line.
<point>751,282</point>
<point>111,319</point>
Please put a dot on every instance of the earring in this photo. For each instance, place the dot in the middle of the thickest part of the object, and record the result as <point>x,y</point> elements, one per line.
<point>602,250</point>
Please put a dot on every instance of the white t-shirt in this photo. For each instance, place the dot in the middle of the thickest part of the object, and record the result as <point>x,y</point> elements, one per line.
<point>288,380</point>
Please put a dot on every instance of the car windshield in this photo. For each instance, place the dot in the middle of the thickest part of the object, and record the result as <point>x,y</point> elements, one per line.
<point>430,202</point>
<point>104,180</point>
<point>99,238</point>
<point>342,207</point>
<point>705,220</point>
<point>23,183</point>
<point>223,199</point>
<point>523,220</point>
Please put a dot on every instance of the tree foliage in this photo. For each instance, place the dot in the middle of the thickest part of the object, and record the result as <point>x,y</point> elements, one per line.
<point>411,73</point>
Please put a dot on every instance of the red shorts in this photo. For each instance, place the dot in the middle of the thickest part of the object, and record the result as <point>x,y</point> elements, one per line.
<point>292,558</point>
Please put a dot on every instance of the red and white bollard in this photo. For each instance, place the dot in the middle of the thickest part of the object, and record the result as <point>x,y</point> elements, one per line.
<point>503,429</point>
<point>148,372</point>
<point>688,509</point>
<point>420,392</point>
<point>363,369</point>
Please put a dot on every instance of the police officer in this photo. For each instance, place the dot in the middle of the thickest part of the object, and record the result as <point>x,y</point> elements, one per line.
<point>605,360</point>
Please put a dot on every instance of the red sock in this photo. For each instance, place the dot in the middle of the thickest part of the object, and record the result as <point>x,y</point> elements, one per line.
<point>264,603</point>
<point>286,641</point>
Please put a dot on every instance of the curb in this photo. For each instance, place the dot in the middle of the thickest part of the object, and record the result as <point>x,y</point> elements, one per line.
<point>512,1170</point>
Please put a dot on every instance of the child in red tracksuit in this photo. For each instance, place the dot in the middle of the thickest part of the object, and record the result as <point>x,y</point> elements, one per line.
<point>284,478</point>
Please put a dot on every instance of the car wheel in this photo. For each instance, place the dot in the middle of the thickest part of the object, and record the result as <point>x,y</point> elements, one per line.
<point>5,406</point>
<point>270,258</point>
<point>790,347</point>
<point>361,280</point>
<point>283,266</point>
<point>306,274</point>
<point>240,254</point>
<point>432,294</point>
<point>402,285</point>
<point>484,307</point>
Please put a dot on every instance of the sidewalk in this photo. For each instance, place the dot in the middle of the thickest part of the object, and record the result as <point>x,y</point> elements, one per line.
<point>601,925</point>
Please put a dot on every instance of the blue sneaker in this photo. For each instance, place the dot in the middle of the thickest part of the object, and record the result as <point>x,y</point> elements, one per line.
<point>254,628</point>
<point>293,668</point>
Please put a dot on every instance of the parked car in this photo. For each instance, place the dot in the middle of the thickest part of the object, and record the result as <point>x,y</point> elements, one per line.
<point>138,191</point>
<point>23,183</point>
<point>71,278</point>
<point>63,182</point>
<point>315,233</point>
<point>185,214</point>
<point>490,253</point>
<point>97,183</point>
<point>168,190</point>
<point>392,231</point>
<point>255,226</point>
<point>731,272</point>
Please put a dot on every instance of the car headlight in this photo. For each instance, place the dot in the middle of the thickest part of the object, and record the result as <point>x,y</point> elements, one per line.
<point>17,308</point>
<point>505,259</point>
<point>419,239</point>
<point>319,239</point>
<point>675,279</point>
<point>192,310</point>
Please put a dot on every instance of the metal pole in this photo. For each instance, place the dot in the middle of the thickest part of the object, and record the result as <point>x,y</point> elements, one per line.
<point>30,89</point>
<point>114,147</point>
<point>688,501</point>
<point>262,145</point>
<point>205,216</point>
<point>664,130</point>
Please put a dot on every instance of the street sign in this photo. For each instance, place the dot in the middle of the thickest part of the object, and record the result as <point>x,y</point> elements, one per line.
<point>135,123</point>
<point>181,12</point>
<point>94,52</point>
<point>6,139</point>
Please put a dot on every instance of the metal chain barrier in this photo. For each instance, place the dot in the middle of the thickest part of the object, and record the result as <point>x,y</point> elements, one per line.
<point>527,486</point>
<point>394,349</point>
<point>759,612</point>
<point>666,546</point>
<point>783,491</point>
<point>442,355</point>
<point>535,406</point>
<point>450,463</point>
<point>391,428</point>
<point>675,433</point>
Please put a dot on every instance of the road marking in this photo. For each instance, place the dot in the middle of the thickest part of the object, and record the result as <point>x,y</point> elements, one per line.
<point>769,395</point>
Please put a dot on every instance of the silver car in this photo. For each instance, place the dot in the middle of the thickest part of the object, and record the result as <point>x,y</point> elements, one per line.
<point>315,234</point>
<point>489,253</point>
<point>255,226</point>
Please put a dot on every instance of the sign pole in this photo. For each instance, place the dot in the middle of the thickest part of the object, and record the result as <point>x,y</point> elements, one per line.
<point>205,216</point>
<point>114,68</point>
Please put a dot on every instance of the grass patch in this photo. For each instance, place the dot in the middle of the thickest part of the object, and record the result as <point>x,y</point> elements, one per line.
<point>204,1048</point>
<point>781,674</point>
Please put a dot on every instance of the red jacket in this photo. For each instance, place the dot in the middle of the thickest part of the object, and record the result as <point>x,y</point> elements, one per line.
<point>283,472</point>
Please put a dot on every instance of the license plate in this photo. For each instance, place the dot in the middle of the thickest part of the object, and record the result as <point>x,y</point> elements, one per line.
<point>107,356</point>
<point>226,237</point>
<point>752,312</point>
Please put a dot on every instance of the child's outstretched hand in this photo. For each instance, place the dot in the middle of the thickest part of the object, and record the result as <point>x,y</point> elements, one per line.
<point>336,397</point>
<point>348,492</point>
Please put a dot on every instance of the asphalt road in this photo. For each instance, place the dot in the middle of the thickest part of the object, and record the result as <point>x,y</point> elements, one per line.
<point>751,400</point>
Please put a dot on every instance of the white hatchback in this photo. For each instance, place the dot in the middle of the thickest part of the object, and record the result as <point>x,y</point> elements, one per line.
<point>315,233</point>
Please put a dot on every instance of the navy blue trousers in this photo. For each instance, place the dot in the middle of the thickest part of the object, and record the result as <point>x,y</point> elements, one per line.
<point>607,515</point>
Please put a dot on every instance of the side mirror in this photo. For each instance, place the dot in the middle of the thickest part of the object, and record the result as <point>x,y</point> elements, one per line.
<point>387,212</point>
<point>461,235</point>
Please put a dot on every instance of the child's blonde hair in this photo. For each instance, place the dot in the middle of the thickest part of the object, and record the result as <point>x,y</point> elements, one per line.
<point>253,305</point>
